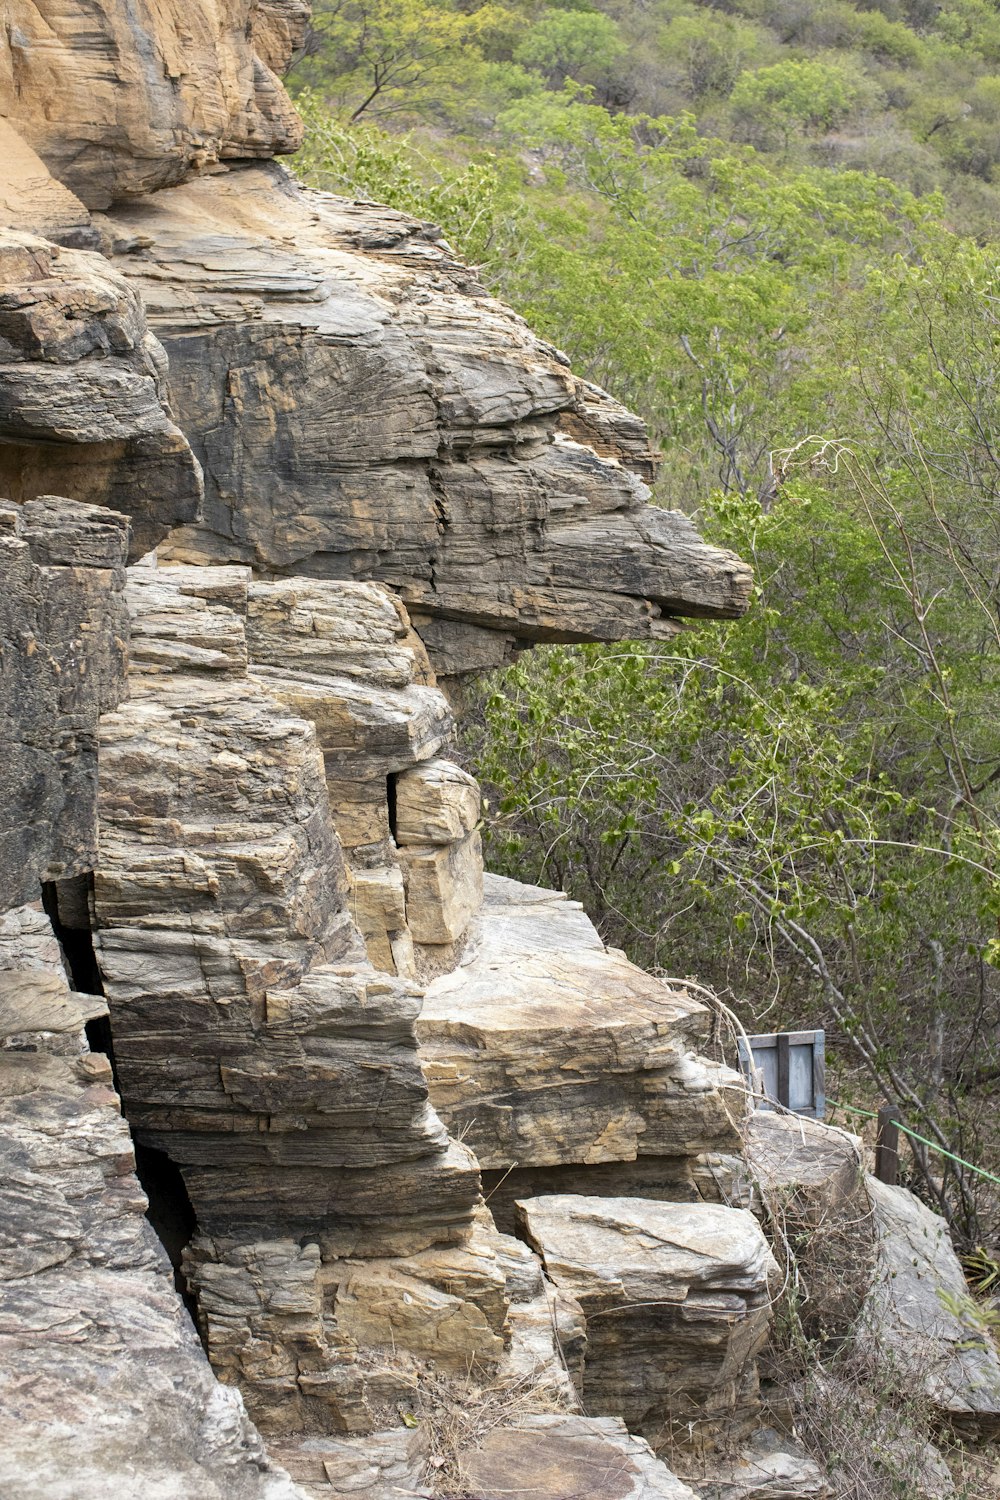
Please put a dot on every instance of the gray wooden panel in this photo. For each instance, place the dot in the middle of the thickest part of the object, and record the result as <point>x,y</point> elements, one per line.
<point>793,1069</point>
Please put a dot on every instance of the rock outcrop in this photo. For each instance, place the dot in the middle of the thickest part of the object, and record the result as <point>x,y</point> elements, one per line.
<point>339,471</point>
<point>104,1388</point>
<point>920,1314</point>
<point>120,100</point>
<point>62,661</point>
<point>543,1049</point>
<point>446,451</point>
<point>83,408</point>
<point>676,1299</point>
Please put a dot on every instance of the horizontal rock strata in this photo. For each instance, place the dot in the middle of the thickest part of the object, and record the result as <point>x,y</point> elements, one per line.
<point>83,407</point>
<point>676,1299</point>
<point>458,460</point>
<point>546,1049</point>
<point>104,1388</point>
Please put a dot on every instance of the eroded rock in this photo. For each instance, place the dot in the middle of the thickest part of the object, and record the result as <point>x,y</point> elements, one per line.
<point>564,1457</point>
<point>121,99</point>
<point>676,1299</point>
<point>261,290</point>
<point>546,1049</point>
<point>104,1387</point>
<point>63,634</point>
<point>919,1312</point>
<point>83,407</point>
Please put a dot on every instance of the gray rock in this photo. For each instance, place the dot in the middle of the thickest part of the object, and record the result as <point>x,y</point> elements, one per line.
<point>461,462</point>
<point>83,409</point>
<point>104,1388</point>
<point>770,1467</point>
<point>919,1310</point>
<point>63,631</point>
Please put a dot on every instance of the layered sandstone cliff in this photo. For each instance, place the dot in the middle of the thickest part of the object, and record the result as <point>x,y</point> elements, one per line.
<point>273,463</point>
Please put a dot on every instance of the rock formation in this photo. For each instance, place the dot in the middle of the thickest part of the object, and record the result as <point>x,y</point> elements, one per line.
<point>273,466</point>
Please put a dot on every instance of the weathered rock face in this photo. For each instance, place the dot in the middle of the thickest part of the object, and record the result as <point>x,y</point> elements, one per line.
<point>119,100</point>
<point>104,1387</point>
<point>82,396</point>
<point>917,1312</point>
<point>398,477</point>
<point>62,660</point>
<point>249,1026</point>
<point>545,1049</point>
<point>676,1302</point>
<point>813,1177</point>
<point>561,1458</point>
<point>460,461</point>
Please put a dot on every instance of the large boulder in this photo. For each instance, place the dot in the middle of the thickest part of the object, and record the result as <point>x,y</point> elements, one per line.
<point>544,1048</point>
<point>677,1302</point>
<point>83,407</point>
<point>119,99</point>
<point>922,1318</point>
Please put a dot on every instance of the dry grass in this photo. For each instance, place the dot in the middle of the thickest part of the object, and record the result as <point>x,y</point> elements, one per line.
<point>459,1414</point>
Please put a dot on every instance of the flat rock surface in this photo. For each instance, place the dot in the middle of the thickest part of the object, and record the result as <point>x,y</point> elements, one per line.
<point>545,1048</point>
<point>566,1458</point>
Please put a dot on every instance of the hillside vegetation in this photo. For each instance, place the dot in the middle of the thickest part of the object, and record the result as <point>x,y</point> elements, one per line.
<point>771,229</point>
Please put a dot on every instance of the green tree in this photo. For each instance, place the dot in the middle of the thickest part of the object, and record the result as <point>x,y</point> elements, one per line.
<point>790,96</point>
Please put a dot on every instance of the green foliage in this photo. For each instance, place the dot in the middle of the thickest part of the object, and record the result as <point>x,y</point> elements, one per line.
<point>578,44</point>
<point>790,95</point>
<point>468,201</point>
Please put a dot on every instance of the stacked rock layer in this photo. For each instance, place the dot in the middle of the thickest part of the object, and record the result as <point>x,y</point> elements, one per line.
<point>232,776</point>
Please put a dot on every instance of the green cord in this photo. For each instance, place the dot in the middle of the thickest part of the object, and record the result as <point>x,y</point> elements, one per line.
<point>835,1104</point>
<point>961,1160</point>
<point>870,1115</point>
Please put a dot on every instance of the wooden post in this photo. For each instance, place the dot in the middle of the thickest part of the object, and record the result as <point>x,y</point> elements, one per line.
<point>784,1069</point>
<point>887,1145</point>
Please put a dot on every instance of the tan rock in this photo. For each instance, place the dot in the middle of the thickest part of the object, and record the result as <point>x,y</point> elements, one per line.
<point>31,198</point>
<point>378,1466</point>
<point>677,1302</point>
<point>121,100</point>
<point>546,1049</point>
<point>444,888</point>
<point>709,1177</point>
<point>83,409</point>
<point>436,803</point>
<point>564,1457</point>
